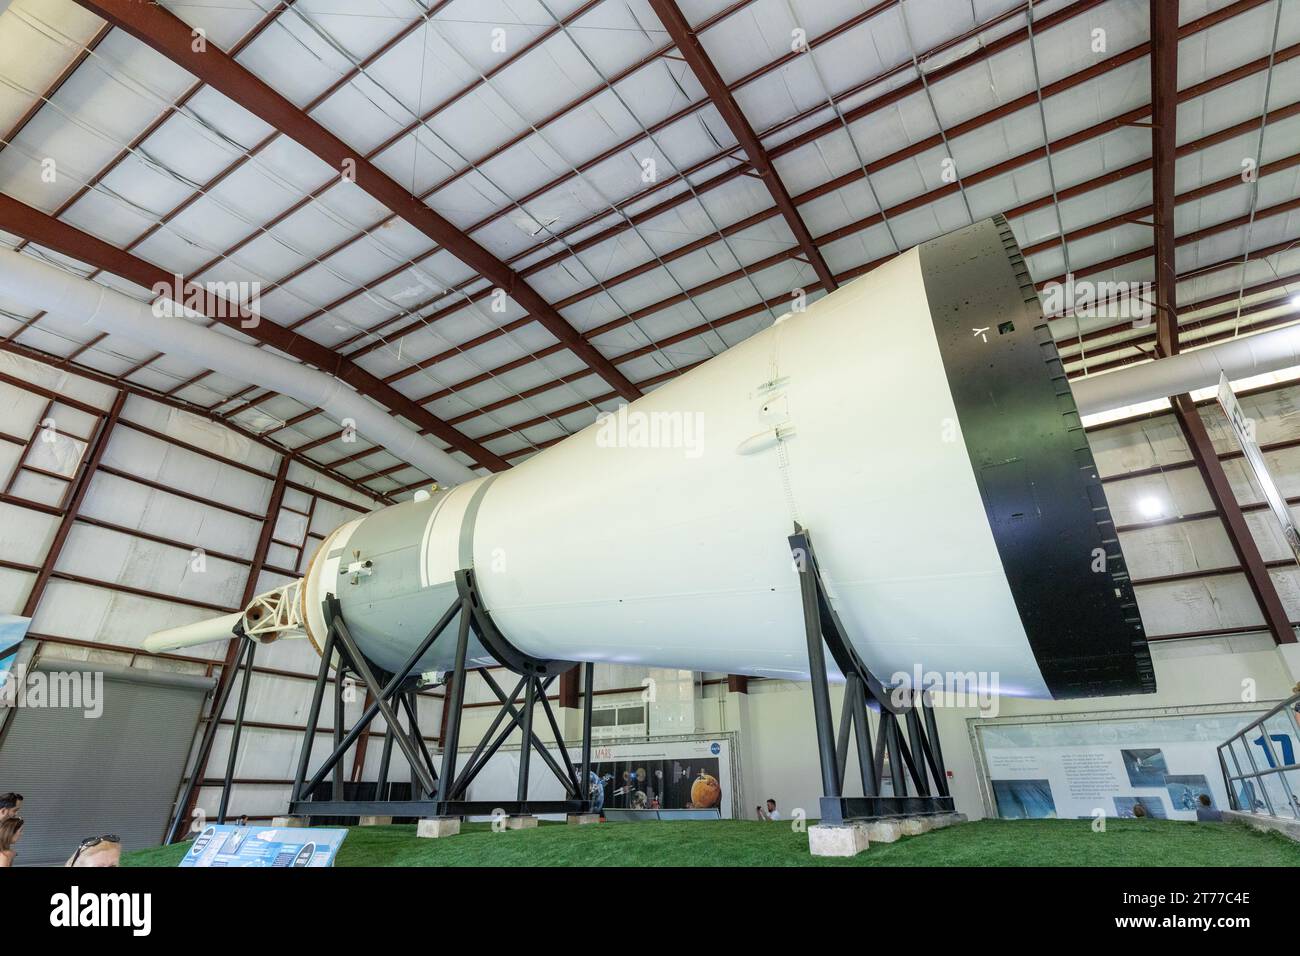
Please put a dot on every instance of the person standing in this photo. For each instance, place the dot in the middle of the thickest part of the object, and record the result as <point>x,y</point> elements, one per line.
<point>10,804</point>
<point>596,793</point>
<point>98,851</point>
<point>11,829</point>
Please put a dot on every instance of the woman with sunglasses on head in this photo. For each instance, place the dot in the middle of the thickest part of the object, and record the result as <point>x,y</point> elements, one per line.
<point>11,829</point>
<point>100,851</point>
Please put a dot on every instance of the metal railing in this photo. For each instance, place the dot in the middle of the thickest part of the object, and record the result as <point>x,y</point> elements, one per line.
<point>1259,763</point>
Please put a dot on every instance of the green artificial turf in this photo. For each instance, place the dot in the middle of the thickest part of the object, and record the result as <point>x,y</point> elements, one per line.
<point>751,843</point>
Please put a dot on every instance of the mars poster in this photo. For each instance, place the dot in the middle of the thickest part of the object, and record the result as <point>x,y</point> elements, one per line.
<point>663,773</point>
<point>667,774</point>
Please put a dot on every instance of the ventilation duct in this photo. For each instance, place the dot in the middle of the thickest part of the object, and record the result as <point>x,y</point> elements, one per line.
<point>72,304</point>
<point>1187,371</point>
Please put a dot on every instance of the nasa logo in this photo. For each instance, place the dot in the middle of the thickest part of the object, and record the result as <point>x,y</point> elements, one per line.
<point>715,748</point>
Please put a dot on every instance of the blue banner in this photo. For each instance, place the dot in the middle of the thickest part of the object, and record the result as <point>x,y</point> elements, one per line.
<point>12,631</point>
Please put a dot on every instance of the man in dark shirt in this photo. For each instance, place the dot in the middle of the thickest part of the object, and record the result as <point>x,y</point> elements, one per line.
<point>1205,812</point>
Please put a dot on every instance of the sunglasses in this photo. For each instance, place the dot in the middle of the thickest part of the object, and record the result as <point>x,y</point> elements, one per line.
<point>89,842</point>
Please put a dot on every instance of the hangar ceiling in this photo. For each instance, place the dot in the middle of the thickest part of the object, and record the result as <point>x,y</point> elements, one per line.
<point>647,181</point>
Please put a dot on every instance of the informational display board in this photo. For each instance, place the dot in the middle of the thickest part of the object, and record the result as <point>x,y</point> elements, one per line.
<point>679,774</point>
<point>1075,768</point>
<point>663,773</point>
<point>228,845</point>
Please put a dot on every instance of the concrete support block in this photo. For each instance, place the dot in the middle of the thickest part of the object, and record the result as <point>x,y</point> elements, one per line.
<point>278,822</point>
<point>521,823</point>
<point>941,820</point>
<point>914,826</point>
<point>374,821</point>
<point>884,831</point>
<point>582,819</point>
<point>1261,821</point>
<point>434,828</point>
<point>837,841</point>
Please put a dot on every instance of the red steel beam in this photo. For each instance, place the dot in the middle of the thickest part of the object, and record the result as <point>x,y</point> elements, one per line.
<point>273,504</point>
<point>979,176</point>
<point>1164,151</point>
<point>1164,116</point>
<point>843,27</point>
<point>986,50</point>
<point>1234,521</point>
<point>688,44</point>
<point>1192,27</point>
<point>329,184</point>
<point>36,226</point>
<point>130,149</point>
<point>174,39</point>
<point>30,113</point>
<point>101,378</point>
<point>94,454</point>
<point>876,165</point>
<point>569,690</point>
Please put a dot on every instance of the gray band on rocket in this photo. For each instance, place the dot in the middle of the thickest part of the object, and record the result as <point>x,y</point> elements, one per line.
<point>465,547</point>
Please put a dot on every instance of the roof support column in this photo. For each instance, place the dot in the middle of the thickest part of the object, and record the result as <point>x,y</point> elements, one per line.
<point>1164,111</point>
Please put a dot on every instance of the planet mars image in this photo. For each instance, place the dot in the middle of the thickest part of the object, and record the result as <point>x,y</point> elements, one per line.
<point>705,791</point>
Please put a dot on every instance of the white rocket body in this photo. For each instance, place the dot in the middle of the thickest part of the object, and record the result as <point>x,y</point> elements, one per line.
<point>658,537</point>
<point>677,556</point>
<point>917,422</point>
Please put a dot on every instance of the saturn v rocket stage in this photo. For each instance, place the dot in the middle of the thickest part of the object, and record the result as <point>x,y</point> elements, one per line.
<point>918,421</point>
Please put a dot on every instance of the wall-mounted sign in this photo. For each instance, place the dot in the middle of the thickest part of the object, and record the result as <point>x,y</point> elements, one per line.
<point>694,772</point>
<point>1080,768</point>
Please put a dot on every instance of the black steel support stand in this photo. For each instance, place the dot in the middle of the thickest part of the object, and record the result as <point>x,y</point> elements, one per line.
<point>243,660</point>
<point>246,652</point>
<point>916,759</point>
<point>442,793</point>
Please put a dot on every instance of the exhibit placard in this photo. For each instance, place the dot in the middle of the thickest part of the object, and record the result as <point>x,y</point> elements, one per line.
<point>666,774</point>
<point>291,847</point>
<point>684,772</point>
<point>1085,768</point>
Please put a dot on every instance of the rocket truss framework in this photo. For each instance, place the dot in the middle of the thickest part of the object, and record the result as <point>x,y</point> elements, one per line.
<point>918,421</point>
